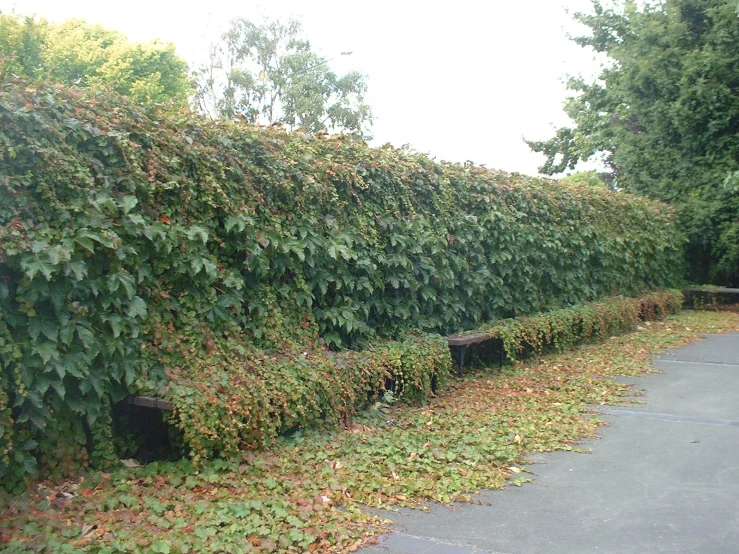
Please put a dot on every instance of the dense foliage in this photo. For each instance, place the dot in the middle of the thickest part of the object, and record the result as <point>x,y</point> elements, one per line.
<point>268,73</point>
<point>235,398</point>
<point>592,178</point>
<point>664,114</point>
<point>77,53</point>
<point>567,327</point>
<point>308,492</point>
<point>139,248</point>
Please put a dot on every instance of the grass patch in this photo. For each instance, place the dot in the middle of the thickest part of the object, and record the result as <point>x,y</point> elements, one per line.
<point>306,492</point>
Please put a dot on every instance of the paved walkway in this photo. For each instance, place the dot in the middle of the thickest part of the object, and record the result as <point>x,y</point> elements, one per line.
<point>664,477</point>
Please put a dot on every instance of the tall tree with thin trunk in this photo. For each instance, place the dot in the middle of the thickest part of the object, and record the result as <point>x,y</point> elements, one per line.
<point>268,73</point>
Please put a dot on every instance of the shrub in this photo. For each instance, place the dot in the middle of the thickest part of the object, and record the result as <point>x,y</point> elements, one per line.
<point>240,398</point>
<point>561,329</point>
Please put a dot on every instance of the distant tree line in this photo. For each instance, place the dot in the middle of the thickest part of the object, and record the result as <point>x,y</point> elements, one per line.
<point>261,73</point>
<point>663,115</point>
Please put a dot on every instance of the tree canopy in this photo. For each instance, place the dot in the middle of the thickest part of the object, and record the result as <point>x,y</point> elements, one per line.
<point>664,116</point>
<point>268,73</point>
<point>591,178</point>
<point>77,53</point>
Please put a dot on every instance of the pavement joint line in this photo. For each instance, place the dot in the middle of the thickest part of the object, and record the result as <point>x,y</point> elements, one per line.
<point>672,417</point>
<point>412,544</point>
<point>675,361</point>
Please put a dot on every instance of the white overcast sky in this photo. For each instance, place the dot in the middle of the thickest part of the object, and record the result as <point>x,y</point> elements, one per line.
<point>459,80</point>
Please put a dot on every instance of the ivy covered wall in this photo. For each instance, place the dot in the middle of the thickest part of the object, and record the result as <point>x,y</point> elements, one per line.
<point>136,245</point>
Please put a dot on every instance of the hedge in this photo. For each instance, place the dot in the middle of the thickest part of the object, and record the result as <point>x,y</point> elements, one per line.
<point>568,327</point>
<point>133,239</point>
<point>239,399</point>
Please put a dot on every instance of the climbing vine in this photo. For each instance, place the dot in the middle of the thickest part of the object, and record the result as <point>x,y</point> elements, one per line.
<point>567,327</point>
<point>137,245</point>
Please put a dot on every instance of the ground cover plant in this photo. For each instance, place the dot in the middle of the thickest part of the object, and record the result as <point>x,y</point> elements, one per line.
<point>136,243</point>
<point>567,327</point>
<point>238,399</point>
<point>307,493</point>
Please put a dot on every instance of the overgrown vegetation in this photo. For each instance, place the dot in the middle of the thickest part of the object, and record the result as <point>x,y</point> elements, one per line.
<point>140,249</point>
<point>236,398</point>
<point>562,329</point>
<point>306,492</point>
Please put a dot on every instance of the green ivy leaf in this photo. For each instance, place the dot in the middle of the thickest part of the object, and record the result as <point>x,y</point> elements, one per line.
<point>235,221</point>
<point>128,203</point>
<point>210,268</point>
<point>61,391</point>
<point>86,336</point>
<point>32,265</point>
<point>197,232</point>
<point>137,307</point>
<point>161,547</point>
<point>47,351</point>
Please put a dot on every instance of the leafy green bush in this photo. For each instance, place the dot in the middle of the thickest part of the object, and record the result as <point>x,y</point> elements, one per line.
<point>561,329</point>
<point>136,243</point>
<point>240,398</point>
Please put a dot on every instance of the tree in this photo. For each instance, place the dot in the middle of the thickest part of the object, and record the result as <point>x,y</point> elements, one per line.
<point>664,117</point>
<point>80,54</point>
<point>21,43</point>
<point>269,74</point>
<point>589,178</point>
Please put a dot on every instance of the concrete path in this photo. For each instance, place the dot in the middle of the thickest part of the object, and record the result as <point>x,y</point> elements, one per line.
<point>664,477</point>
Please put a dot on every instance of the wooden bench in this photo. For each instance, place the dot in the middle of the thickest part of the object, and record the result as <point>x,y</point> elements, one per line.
<point>690,291</point>
<point>460,343</point>
<point>150,402</point>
